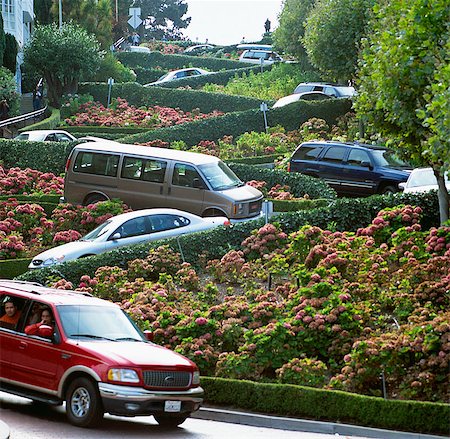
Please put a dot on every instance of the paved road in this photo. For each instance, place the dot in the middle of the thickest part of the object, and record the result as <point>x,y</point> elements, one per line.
<point>27,420</point>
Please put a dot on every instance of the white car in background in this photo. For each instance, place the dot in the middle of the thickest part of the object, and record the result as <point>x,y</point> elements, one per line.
<point>179,74</point>
<point>46,136</point>
<point>307,96</point>
<point>139,49</point>
<point>422,180</point>
<point>126,229</point>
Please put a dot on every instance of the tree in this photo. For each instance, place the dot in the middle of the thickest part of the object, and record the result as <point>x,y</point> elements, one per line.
<point>2,40</point>
<point>163,19</point>
<point>42,11</point>
<point>404,82</point>
<point>63,57</point>
<point>8,91</point>
<point>333,32</point>
<point>10,55</point>
<point>288,35</point>
<point>94,16</point>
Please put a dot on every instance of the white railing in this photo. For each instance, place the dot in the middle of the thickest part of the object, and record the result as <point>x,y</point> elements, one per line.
<point>22,117</point>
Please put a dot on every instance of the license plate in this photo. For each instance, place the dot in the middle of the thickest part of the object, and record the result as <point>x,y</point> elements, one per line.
<point>172,406</point>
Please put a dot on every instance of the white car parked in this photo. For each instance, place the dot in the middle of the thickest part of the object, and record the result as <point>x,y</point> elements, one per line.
<point>46,136</point>
<point>422,180</point>
<point>179,74</point>
<point>128,228</point>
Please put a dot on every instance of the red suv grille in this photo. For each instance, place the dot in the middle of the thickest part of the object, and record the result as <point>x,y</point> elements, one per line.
<point>172,379</point>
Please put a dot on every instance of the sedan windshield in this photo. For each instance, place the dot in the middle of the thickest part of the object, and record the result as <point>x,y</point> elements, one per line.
<point>97,232</point>
<point>387,158</point>
<point>97,323</point>
<point>220,176</point>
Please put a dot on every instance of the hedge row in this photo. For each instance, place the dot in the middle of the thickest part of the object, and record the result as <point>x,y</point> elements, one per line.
<point>144,76</point>
<point>172,62</point>
<point>12,268</point>
<point>186,100</point>
<point>341,214</point>
<point>291,117</point>
<point>328,405</point>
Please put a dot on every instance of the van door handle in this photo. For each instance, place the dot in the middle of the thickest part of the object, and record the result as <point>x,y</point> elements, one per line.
<point>160,190</point>
<point>169,190</point>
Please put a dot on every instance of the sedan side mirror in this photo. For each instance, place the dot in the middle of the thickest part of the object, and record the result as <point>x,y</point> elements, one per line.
<point>402,186</point>
<point>116,236</point>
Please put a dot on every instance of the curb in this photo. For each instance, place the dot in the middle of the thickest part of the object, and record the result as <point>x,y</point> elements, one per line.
<point>293,424</point>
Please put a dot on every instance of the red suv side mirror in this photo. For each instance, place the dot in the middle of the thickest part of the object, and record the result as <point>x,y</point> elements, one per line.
<point>45,331</point>
<point>148,335</point>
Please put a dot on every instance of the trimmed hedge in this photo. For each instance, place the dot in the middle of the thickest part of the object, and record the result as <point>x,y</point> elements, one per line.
<point>341,214</point>
<point>11,268</point>
<point>295,205</point>
<point>299,184</point>
<point>186,100</point>
<point>42,156</point>
<point>328,405</point>
<point>173,62</point>
<point>144,76</point>
<point>237,123</point>
<point>256,160</point>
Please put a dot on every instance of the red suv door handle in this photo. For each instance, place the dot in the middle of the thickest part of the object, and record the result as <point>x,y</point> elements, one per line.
<point>23,345</point>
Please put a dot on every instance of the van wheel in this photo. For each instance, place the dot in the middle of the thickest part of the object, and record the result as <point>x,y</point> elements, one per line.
<point>170,420</point>
<point>83,403</point>
<point>387,190</point>
<point>92,199</point>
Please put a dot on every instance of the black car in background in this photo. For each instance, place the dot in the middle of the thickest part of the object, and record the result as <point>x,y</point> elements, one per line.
<point>353,170</point>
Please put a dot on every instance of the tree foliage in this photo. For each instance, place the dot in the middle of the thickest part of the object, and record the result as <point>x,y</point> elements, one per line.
<point>8,91</point>
<point>2,40</point>
<point>333,32</point>
<point>163,19</point>
<point>404,80</point>
<point>289,34</point>
<point>96,17</point>
<point>42,11</point>
<point>63,57</point>
<point>10,55</point>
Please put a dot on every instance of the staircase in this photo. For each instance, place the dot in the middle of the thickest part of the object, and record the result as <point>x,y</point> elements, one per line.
<point>26,103</point>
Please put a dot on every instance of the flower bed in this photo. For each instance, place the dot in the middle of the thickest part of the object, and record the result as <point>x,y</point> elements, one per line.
<point>317,307</point>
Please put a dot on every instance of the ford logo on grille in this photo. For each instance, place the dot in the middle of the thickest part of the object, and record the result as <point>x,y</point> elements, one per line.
<point>169,379</point>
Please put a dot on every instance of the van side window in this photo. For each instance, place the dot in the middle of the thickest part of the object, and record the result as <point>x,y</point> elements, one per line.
<point>141,169</point>
<point>184,175</point>
<point>132,168</point>
<point>96,163</point>
<point>154,171</point>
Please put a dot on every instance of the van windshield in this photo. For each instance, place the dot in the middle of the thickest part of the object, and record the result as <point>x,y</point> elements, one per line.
<point>220,176</point>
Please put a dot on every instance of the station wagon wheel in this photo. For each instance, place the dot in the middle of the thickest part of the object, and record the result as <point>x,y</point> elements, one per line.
<point>169,420</point>
<point>83,404</point>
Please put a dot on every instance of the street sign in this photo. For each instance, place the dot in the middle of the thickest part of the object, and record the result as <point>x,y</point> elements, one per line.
<point>135,20</point>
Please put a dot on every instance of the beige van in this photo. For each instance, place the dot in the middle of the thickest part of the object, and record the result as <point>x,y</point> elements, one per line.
<point>144,177</point>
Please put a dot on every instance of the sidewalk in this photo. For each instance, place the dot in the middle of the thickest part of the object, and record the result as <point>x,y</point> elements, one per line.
<point>258,420</point>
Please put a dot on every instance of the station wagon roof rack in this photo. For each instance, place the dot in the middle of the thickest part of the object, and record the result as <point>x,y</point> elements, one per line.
<point>21,282</point>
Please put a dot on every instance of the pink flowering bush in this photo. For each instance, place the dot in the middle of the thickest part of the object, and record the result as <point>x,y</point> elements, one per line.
<point>66,236</point>
<point>27,181</point>
<point>346,307</point>
<point>120,113</point>
<point>11,246</point>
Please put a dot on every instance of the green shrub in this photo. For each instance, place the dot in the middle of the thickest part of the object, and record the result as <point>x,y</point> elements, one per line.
<point>174,62</point>
<point>12,268</point>
<point>341,214</point>
<point>296,205</point>
<point>111,67</point>
<point>327,405</point>
<point>8,91</point>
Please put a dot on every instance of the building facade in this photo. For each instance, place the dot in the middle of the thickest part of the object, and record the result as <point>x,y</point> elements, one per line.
<point>18,18</point>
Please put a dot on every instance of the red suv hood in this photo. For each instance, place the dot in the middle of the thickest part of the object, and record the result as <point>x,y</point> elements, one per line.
<point>135,354</point>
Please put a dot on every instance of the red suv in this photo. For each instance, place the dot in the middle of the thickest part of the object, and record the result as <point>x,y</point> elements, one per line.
<point>58,345</point>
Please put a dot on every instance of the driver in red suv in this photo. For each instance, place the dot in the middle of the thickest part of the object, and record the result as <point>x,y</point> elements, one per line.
<point>92,356</point>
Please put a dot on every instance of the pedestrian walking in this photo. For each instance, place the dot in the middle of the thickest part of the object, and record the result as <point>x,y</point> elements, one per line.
<point>4,109</point>
<point>37,98</point>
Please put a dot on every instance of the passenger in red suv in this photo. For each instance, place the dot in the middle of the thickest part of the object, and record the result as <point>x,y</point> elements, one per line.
<point>11,316</point>
<point>46,319</point>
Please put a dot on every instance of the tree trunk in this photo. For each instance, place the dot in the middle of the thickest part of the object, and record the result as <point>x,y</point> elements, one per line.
<point>443,197</point>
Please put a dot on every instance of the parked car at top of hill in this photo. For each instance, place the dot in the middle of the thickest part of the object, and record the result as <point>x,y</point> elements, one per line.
<point>264,57</point>
<point>307,96</point>
<point>422,180</point>
<point>46,136</point>
<point>351,169</point>
<point>179,74</point>
<point>90,354</point>
<point>138,49</point>
<point>125,229</point>
<point>333,90</point>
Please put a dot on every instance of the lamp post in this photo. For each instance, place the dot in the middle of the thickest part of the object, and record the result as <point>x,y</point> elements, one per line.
<point>60,14</point>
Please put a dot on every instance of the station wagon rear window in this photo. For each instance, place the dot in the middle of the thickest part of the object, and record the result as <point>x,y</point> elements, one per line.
<point>96,163</point>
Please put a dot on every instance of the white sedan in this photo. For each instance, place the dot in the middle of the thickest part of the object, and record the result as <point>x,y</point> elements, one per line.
<point>128,228</point>
<point>46,136</point>
<point>422,180</point>
<point>179,74</point>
